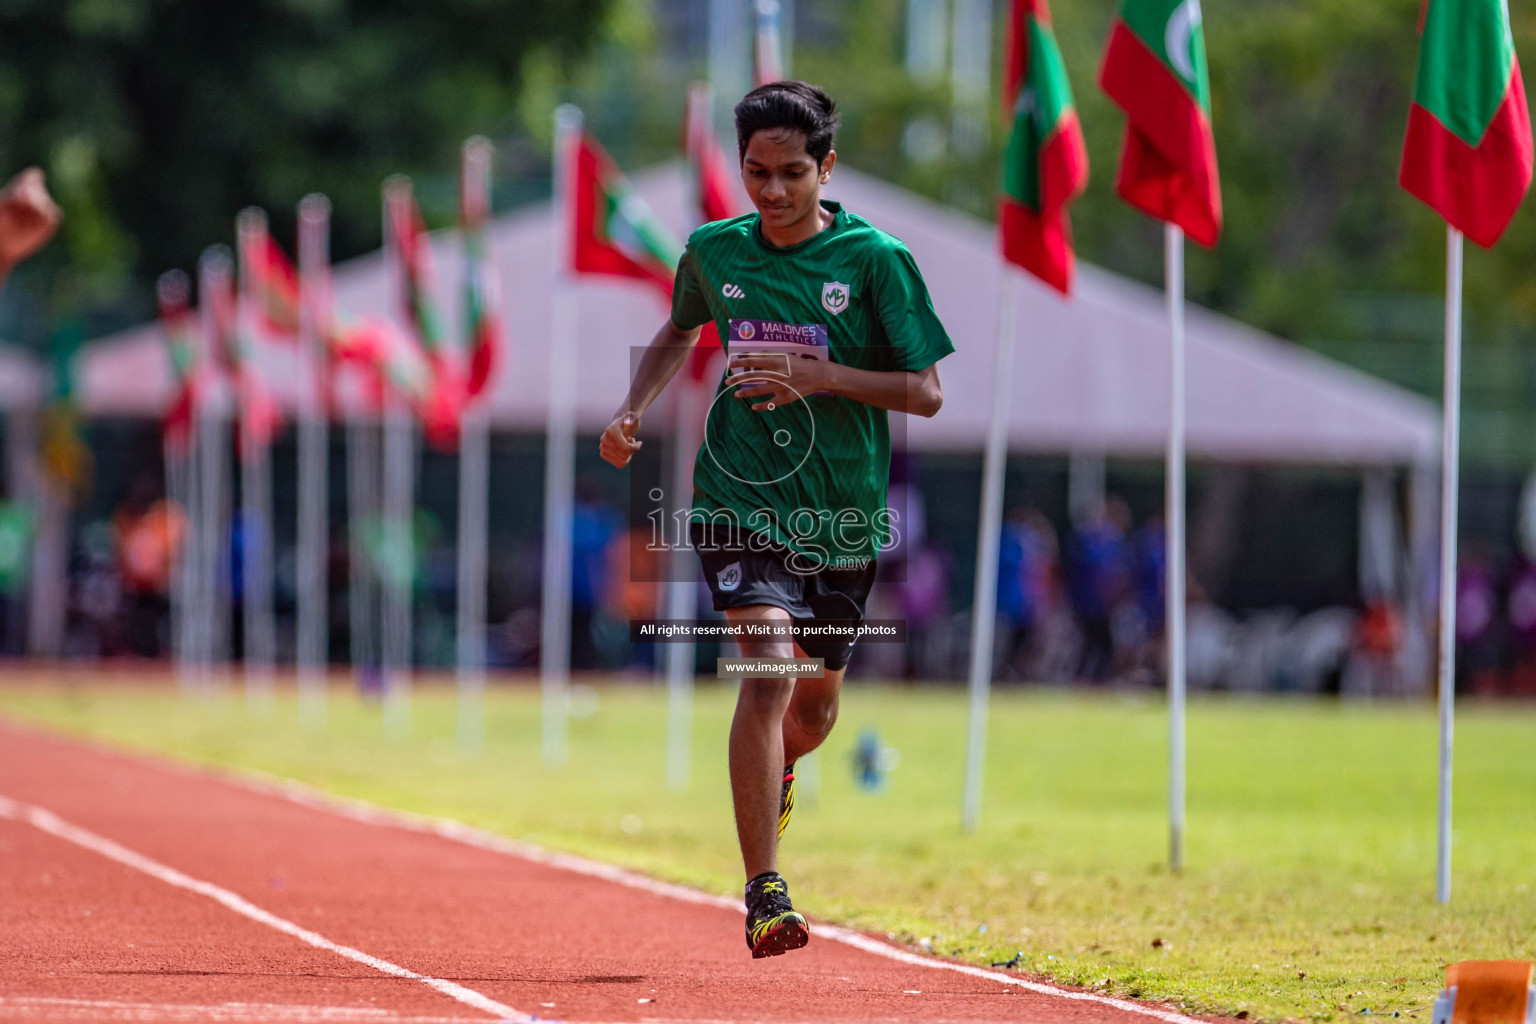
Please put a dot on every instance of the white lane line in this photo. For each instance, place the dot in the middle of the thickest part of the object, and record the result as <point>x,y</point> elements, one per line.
<point>446,828</point>
<point>51,823</point>
<point>41,1007</point>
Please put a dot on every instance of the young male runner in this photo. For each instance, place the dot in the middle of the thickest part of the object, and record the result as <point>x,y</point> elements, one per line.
<point>828,324</point>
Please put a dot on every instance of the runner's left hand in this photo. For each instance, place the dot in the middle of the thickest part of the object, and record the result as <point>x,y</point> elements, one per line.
<point>774,379</point>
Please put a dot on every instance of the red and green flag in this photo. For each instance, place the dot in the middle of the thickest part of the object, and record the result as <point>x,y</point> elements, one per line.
<point>275,287</point>
<point>714,190</point>
<point>440,409</point>
<point>1045,163</point>
<point>482,305</point>
<point>1155,70</point>
<point>1468,150</point>
<point>173,293</point>
<point>414,253</point>
<point>714,186</point>
<point>613,231</point>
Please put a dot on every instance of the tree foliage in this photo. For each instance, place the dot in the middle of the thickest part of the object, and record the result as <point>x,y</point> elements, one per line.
<point>1310,99</point>
<point>157,120</point>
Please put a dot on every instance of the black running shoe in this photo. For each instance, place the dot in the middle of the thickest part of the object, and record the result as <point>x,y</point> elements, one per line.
<point>774,926</point>
<point>786,798</point>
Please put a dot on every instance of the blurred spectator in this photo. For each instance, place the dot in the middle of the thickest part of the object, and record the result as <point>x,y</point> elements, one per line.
<point>1373,669</point>
<point>635,567</point>
<point>1520,610</point>
<point>1477,605</point>
<point>924,601</point>
<point>1026,567</point>
<point>593,526</point>
<point>1139,625</point>
<point>148,530</point>
<point>1098,577</point>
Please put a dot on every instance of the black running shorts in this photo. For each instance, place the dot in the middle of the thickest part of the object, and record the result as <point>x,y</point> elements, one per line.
<point>745,569</point>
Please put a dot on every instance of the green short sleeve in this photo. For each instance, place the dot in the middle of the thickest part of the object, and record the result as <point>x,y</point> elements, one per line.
<point>906,312</point>
<point>689,307</point>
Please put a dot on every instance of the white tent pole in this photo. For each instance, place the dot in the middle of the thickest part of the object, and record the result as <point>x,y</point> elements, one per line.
<point>399,498</point>
<point>560,452</point>
<point>313,604</point>
<point>983,607</point>
<point>255,475</point>
<point>1449,484</point>
<point>474,480</point>
<point>1173,237</point>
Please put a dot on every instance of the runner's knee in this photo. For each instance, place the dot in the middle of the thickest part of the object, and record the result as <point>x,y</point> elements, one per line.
<point>767,696</point>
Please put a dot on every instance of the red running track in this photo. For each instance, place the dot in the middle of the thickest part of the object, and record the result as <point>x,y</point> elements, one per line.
<point>133,889</point>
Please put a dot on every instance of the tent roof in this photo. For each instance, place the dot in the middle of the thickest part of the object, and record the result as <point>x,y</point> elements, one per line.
<point>1090,374</point>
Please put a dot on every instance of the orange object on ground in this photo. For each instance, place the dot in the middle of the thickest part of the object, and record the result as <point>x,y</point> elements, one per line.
<point>1490,991</point>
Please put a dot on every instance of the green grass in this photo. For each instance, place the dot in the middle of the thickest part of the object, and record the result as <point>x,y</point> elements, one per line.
<point>1311,850</point>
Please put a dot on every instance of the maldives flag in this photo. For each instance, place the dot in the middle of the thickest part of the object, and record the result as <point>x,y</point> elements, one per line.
<point>714,189</point>
<point>482,305</point>
<point>448,392</point>
<point>613,231</point>
<point>1155,70</point>
<point>173,293</point>
<point>1468,150</point>
<point>275,285</point>
<point>1045,164</point>
<point>714,185</point>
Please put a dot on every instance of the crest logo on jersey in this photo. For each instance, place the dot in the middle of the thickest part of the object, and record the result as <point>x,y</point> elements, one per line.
<point>729,577</point>
<point>730,291</point>
<point>834,297</point>
<point>746,330</point>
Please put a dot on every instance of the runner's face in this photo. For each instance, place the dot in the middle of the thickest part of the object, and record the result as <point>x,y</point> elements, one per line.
<point>782,179</point>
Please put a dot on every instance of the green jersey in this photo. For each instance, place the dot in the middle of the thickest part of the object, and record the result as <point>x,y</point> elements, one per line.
<point>810,475</point>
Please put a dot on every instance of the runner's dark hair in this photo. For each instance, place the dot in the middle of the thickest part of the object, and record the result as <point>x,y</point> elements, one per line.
<point>793,106</point>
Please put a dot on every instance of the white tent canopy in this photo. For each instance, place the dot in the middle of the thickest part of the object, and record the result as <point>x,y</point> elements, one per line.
<point>1091,373</point>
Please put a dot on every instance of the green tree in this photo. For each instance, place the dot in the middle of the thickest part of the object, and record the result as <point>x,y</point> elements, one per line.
<point>157,120</point>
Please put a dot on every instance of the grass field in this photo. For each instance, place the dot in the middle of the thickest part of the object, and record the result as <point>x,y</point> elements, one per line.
<point>1311,850</point>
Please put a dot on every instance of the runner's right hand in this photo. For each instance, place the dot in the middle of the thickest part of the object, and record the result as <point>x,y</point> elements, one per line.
<point>618,445</point>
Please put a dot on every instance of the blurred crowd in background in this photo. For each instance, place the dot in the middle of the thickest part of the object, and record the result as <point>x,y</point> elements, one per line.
<point>1080,601</point>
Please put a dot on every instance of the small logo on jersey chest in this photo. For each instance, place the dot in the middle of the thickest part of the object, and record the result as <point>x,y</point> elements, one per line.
<point>729,577</point>
<point>730,291</point>
<point>834,297</point>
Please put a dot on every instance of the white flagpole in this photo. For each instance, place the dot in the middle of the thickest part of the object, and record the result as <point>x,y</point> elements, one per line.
<point>560,453</point>
<point>213,279</point>
<point>1173,238</point>
<point>680,576</point>
<point>256,532</point>
<point>984,604</point>
<point>474,477</point>
<point>399,500</point>
<point>362,511</point>
<point>174,292</point>
<point>767,48</point>
<point>313,598</point>
<point>1449,483</point>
